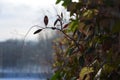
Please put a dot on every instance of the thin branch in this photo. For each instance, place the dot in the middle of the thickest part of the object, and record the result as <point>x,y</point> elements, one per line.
<point>70,38</point>
<point>27,34</point>
<point>53,28</point>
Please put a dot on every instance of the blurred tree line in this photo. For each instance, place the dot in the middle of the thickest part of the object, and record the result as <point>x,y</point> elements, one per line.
<point>16,54</point>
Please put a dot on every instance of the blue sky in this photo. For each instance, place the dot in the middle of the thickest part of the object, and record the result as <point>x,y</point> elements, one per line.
<point>17,16</point>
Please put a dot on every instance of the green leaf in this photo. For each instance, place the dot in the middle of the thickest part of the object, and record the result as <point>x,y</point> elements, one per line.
<point>73,26</point>
<point>56,76</point>
<point>66,3</point>
<point>58,1</point>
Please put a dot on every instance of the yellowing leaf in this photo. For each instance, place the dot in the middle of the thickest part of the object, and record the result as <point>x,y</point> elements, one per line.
<point>88,14</point>
<point>85,71</point>
<point>95,11</point>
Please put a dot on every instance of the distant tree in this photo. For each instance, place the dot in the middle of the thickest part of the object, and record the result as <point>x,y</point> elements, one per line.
<point>9,51</point>
<point>15,54</point>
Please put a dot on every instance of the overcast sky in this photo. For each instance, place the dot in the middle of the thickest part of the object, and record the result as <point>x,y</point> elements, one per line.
<point>17,16</point>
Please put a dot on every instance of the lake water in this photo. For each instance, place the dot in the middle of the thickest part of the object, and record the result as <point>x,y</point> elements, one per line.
<point>22,76</point>
<point>20,79</point>
<point>13,74</point>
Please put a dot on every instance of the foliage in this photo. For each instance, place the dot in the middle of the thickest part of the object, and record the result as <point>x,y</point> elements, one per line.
<point>89,48</point>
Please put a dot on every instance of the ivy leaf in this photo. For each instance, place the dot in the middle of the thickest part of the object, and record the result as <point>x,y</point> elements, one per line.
<point>46,20</point>
<point>39,30</point>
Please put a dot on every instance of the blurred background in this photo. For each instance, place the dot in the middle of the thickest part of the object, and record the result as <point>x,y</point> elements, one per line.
<point>24,55</point>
